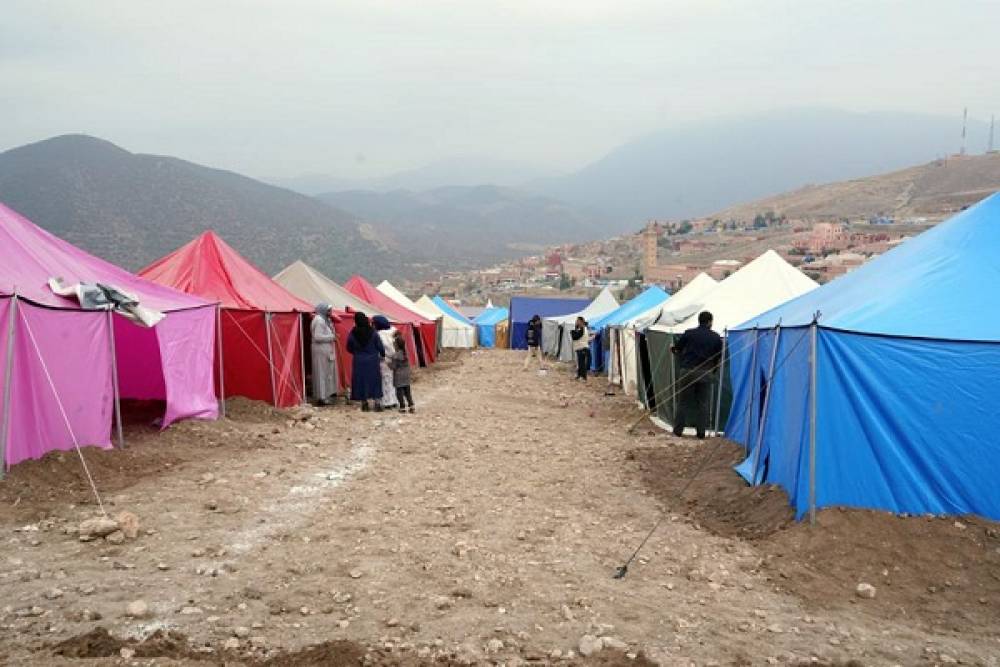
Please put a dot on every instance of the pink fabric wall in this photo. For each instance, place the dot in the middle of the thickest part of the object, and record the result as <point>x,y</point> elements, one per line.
<point>187,351</point>
<point>76,348</point>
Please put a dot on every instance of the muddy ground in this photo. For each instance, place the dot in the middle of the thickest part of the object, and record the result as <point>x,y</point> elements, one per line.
<point>484,529</point>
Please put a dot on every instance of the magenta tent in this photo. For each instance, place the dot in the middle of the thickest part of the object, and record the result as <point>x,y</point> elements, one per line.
<point>63,367</point>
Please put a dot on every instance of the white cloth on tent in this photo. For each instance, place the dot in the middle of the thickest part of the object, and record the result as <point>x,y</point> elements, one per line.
<point>98,296</point>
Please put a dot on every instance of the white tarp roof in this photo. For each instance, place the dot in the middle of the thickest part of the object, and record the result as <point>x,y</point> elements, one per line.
<point>387,288</point>
<point>684,302</point>
<point>764,283</point>
<point>455,333</point>
<point>310,285</point>
<point>602,304</point>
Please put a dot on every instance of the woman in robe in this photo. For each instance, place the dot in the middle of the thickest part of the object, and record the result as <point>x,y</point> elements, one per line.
<point>324,356</point>
<point>367,352</point>
<point>385,333</point>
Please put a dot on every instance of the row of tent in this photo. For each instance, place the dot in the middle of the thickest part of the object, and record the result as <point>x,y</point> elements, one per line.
<point>873,391</point>
<point>216,327</point>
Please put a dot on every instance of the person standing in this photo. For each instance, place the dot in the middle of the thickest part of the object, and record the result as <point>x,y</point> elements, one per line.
<point>401,374</point>
<point>367,351</point>
<point>533,337</point>
<point>324,356</point>
<point>385,334</point>
<point>581,347</point>
<point>699,351</point>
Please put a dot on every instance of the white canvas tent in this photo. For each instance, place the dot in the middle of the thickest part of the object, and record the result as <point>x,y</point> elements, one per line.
<point>455,333</point>
<point>556,340</point>
<point>388,289</point>
<point>310,285</point>
<point>623,368</point>
<point>761,285</point>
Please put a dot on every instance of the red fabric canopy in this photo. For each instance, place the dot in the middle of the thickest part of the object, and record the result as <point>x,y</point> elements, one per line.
<point>261,321</point>
<point>363,289</point>
<point>210,268</point>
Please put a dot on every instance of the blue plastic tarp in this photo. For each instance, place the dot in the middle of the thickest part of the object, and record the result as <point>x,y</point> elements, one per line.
<point>628,311</point>
<point>523,308</point>
<point>447,309</point>
<point>486,323</point>
<point>907,368</point>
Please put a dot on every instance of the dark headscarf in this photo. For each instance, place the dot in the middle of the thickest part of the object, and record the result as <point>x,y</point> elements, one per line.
<point>362,329</point>
<point>381,323</point>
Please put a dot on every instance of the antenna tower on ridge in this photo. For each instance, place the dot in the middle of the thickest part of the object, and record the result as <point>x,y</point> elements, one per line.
<point>965,122</point>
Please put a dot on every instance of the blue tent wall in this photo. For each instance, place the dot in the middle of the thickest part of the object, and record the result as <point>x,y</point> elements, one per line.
<point>901,423</point>
<point>523,308</point>
<point>486,323</point>
<point>644,301</point>
<point>447,309</point>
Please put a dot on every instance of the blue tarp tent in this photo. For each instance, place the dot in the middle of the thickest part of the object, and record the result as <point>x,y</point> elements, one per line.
<point>650,298</point>
<point>486,323</point>
<point>904,356</point>
<point>447,309</point>
<point>523,308</point>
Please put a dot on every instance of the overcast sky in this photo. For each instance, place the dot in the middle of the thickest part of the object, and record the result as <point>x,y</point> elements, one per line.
<point>366,87</point>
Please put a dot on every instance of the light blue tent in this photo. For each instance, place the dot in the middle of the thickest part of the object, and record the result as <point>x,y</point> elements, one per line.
<point>447,309</point>
<point>486,323</point>
<point>651,298</point>
<point>878,389</point>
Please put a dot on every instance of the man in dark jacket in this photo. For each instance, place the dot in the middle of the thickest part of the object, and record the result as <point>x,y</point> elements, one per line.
<point>534,340</point>
<point>699,351</point>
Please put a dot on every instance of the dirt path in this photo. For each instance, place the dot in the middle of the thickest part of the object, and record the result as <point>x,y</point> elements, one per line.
<point>484,528</point>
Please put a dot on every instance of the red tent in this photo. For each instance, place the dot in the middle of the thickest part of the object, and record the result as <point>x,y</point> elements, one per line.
<point>363,289</point>
<point>261,321</point>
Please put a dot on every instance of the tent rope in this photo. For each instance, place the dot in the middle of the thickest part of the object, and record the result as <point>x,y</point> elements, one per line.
<point>262,354</point>
<point>62,410</point>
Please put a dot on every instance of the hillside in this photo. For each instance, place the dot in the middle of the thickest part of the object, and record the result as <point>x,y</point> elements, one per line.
<point>133,208</point>
<point>701,167</point>
<point>930,190</point>
<point>467,226</point>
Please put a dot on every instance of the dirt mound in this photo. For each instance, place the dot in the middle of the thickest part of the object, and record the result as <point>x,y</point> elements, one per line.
<point>99,643</point>
<point>941,571</point>
<point>335,653</point>
<point>718,498</point>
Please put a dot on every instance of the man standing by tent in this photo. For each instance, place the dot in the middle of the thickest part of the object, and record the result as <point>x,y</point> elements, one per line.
<point>699,350</point>
<point>533,337</point>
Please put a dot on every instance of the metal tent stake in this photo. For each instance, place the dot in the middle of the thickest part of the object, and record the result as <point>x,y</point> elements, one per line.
<point>812,422</point>
<point>270,358</point>
<point>8,374</point>
<point>222,375</point>
<point>722,370</point>
<point>114,380</point>
<point>767,402</point>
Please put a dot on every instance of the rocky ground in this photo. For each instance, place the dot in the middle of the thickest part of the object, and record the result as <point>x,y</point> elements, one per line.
<point>484,529</point>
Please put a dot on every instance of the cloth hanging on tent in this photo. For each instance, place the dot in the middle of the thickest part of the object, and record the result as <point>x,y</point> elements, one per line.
<point>99,296</point>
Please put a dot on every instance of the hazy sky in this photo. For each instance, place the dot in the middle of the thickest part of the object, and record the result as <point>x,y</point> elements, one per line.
<point>359,87</point>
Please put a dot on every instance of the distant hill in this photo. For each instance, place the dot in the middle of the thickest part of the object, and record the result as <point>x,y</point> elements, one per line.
<point>467,226</point>
<point>132,208</point>
<point>931,190</point>
<point>693,170</point>
<point>458,171</point>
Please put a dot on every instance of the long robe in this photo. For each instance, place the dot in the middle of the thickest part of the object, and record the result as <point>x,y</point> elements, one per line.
<point>366,379</point>
<point>385,367</point>
<point>324,359</point>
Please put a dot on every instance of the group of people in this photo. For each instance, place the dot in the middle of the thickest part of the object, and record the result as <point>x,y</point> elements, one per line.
<point>580,335</point>
<point>380,371</point>
<point>698,351</point>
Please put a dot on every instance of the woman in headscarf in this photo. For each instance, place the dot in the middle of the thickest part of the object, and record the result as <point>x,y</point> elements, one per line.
<point>385,333</point>
<point>324,356</point>
<point>367,350</point>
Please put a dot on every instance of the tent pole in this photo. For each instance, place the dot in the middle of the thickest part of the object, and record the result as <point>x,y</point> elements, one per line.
<point>753,385</point>
<point>7,391</point>
<point>270,358</point>
<point>722,368</point>
<point>812,422</point>
<point>302,354</point>
<point>114,381</point>
<point>767,400</point>
<point>222,375</point>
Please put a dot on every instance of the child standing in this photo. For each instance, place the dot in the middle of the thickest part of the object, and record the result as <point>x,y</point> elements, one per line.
<point>401,374</point>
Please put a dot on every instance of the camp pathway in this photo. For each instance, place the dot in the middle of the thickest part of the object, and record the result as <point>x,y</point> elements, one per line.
<point>485,527</point>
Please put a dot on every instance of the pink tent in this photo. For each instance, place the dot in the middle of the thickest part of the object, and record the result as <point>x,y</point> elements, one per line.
<point>58,362</point>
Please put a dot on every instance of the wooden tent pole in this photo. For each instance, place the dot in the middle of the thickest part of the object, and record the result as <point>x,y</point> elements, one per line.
<point>7,390</point>
<point>222,375</point>
<point>722,370</point>
<point>270,358</point>
<point>302,354</point>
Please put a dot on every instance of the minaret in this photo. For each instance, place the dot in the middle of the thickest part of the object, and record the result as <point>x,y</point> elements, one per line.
<point>650,235</point>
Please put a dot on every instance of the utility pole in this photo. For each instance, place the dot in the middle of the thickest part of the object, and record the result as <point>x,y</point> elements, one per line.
<point>965,122</point>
